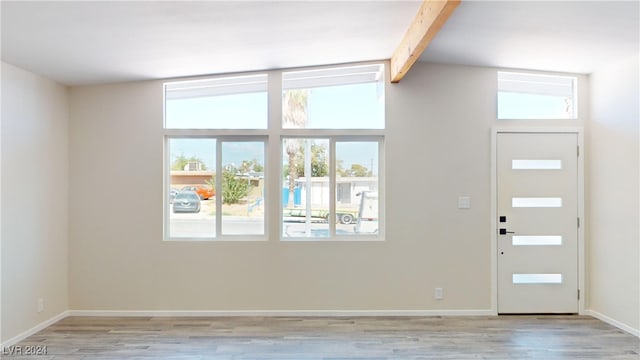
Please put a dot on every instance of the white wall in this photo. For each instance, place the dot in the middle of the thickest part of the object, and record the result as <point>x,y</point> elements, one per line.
<point>34,199</point>
<point>118,261</point>
<point>440,115</point>
<point>614,203</point>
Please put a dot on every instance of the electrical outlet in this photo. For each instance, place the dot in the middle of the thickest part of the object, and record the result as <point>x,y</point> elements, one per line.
<point>438,294</point>
<point>40,305</point>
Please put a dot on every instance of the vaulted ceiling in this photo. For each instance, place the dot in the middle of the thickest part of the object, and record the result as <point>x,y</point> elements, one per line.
<point>91,42</point>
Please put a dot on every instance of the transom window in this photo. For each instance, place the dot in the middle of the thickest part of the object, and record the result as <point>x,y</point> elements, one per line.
<point>221,140</point>
<point>535,96</point>
<point>335,98</point>
<point>221,103</point>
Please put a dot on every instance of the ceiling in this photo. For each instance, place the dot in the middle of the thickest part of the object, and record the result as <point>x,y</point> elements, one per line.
<point>77,43</point>
<point>566,36</point>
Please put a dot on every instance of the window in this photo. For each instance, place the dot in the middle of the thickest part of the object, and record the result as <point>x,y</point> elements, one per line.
<point>536,202</point>
<point>193,167</point>
<point>333,122</point>
<point>307,195</point>
<point>337,98</point>
<point>533,96</point>
<point>220,132</point>
<point>537,278</point>
<point>536,240</point>
<point>220,103</point>
<point>536,164</point>
<point>191,190</point>
<point>213,151</point>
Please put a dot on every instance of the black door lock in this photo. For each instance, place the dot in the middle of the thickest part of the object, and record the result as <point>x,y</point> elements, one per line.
<point>505,232</point>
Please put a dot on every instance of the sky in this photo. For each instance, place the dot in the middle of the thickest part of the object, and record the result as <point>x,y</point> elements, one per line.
<point>531,106</point>
<point>358,106</point>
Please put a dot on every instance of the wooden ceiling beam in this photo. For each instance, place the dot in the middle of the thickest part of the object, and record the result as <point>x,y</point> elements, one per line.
<point>430,18</point>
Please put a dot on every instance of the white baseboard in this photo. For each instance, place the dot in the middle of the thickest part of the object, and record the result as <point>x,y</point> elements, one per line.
<point>43,325</point>
<point>266,313</point>
<point>613,322</point>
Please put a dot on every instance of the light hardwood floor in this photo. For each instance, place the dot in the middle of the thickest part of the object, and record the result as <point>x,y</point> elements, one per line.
<point>304,338</point>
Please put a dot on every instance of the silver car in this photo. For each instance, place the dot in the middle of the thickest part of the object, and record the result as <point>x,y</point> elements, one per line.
<point>172,194</point>
<point>186,201</point>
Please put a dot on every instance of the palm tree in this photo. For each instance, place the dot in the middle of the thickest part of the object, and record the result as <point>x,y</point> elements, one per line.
<point>294,116</point>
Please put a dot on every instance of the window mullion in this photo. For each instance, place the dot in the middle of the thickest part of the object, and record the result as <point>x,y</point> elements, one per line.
<point>332,187</point>
<point>219,179</point>
<point>381,188</point>
<point>166,186</point>
<point>273,159</point>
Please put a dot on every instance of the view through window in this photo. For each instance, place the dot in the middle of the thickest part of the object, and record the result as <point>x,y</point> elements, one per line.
<point>330,137</point>
<point>536,96</point>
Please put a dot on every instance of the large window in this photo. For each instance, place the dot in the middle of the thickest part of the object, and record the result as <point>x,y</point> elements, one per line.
<point>318,189</point>
<point>220,133</point>
<point>534,96</point>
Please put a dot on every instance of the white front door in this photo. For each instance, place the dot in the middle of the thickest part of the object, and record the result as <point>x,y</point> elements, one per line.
<point>537,189</point>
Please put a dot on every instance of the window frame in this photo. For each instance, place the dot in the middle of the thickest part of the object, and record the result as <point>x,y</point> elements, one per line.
<point>574,85</point>
<point>235,80</point>
<point>272,137</point>
<point>220,140</point>
<point>374,136</point>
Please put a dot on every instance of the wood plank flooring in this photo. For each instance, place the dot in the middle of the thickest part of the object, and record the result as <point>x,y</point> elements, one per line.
<point>333,338</point>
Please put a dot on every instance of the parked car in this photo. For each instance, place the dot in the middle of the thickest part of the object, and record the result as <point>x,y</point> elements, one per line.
<point>203,191</point>
<point>186,201</point>
<point>172,194</point>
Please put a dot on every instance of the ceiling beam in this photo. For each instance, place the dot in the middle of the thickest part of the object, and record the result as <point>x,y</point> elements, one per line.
<point>430,18</point>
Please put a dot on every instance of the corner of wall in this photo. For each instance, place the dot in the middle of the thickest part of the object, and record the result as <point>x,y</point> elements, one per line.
<point>34,165</point>
<point>614,197</point>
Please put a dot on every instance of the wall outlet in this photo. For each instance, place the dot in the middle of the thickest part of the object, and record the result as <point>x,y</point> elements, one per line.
<point>438,294</point>
<point>40,305</point>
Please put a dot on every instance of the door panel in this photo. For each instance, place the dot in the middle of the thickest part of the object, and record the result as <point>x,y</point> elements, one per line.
<point>537,179</point>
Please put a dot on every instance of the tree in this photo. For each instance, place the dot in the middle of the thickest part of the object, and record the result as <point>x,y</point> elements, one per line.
<point>294,116</point>
<point>211,182</point>
<point>181,161</point>
<point>233,187</point>
<point>359,171</point>
<point>258,167</point>
<point>249,166</point>
<point>340,168</point>
<point>319,161</point>
<point>356,170</point>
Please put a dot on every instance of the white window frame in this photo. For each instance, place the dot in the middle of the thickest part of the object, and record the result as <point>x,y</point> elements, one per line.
<point>220,139</point>
<point>272,137</point>
<point>523,83</point>
<point>333,137</point>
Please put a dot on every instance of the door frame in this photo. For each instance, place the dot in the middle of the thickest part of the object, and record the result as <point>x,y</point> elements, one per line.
<point>579,131</point>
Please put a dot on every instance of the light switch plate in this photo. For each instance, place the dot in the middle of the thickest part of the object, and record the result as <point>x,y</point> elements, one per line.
<point>464,202</point>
